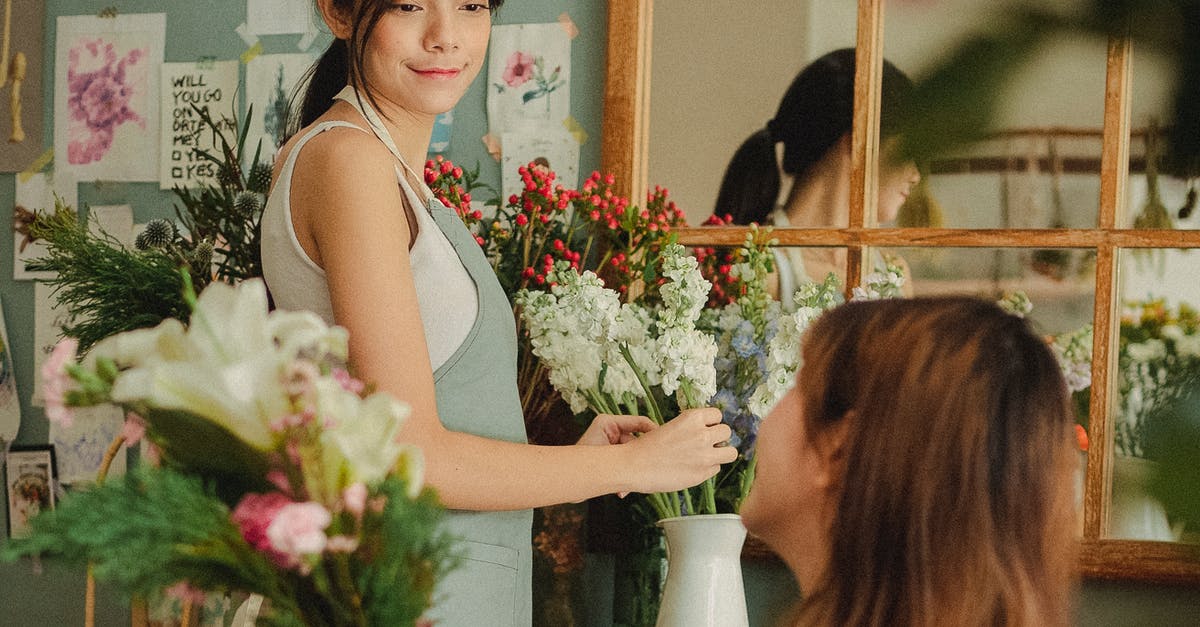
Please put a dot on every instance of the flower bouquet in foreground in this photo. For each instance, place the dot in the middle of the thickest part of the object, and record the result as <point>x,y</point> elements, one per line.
<point>277,473</point>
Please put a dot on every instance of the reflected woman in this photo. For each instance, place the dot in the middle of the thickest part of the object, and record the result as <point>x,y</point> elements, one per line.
<point>809,142</point>
<point>896,505</point>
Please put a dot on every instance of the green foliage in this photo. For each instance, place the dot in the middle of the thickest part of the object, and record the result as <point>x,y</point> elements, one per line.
<point>228,211</point>
<point>414,553</point>
<point>106,288</point>
<point>130,530</point>
<point>954,103</point>
<point>1174,440</point>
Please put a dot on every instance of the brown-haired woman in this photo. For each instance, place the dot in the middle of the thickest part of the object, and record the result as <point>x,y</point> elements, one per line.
<point>920,472</point>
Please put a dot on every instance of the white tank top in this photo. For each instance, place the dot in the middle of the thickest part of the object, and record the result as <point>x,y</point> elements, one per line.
<point>446,294</point>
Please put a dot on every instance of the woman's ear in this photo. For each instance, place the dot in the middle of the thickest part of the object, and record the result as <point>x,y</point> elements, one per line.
<point>832,453</point>
<point>336,19</point>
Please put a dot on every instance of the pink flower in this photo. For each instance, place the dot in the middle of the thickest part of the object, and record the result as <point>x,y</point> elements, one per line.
<point>134,429</point>
<point>355,498</point>
<point>298,529</point>
<point>519,69</point>
<point>253,515</point>
<point>56,382</point>
<point>300,377</point>
<point>348,383</point>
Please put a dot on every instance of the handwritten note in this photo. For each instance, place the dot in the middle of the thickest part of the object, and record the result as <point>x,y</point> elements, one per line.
<point>186,87</point>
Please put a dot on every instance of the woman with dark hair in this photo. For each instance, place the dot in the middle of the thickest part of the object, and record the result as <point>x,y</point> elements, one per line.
<point>808,141</point>
<point>896,505</point>
<point>352,233</point>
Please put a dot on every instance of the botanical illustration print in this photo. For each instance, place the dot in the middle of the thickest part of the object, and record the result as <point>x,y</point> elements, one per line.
<point>103,89</point>
<point>80,448</point>
<point>523,67</point>
<point>275,115</point>
<point>28,494</point>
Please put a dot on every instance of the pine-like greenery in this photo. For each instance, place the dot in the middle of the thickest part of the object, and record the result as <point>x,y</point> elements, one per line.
<point>105,287</point>
<point>148,531</point>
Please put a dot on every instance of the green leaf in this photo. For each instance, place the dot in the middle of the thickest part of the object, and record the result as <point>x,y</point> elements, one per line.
<point>208,451</point>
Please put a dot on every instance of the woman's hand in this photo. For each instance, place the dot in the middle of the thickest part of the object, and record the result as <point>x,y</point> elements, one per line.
<point>610,429</point>
<point>682,453</point>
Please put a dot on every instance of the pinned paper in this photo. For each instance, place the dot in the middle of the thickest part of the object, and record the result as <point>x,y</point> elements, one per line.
<point>493,145</point>
<point>307,40</point>
<point>115,221</point>
<point>210,87</point>
<point>529,76</point>
<point>568,25</point>
<point>115,138</point>
<point>553,148</point>
<point>278,17</point>
<point>243,31</point>
<point>80,448</point>
<point>10,404</point>
<point>36,194</point>
<point>270,79</point>
<point>575,129</point>
<point>48,322</point>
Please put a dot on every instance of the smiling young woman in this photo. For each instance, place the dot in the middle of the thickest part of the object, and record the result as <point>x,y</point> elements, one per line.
<point>352,233</point>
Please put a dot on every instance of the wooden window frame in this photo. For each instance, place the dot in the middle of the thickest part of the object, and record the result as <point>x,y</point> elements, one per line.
<point>624,153</point>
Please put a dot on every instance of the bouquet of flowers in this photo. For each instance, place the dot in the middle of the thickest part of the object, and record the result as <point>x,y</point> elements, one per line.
<point>546,224</point>
<point>277,473</point>
<point>1158,362</point>
<point>634,358</point>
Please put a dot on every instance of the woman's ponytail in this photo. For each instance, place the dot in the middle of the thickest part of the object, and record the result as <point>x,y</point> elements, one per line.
<point>320,84</point>
<point>751,183</point>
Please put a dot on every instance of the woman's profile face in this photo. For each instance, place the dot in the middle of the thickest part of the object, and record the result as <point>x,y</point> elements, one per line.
<point>423,55</point>
<point>786,494</point>
<point>896,181</point>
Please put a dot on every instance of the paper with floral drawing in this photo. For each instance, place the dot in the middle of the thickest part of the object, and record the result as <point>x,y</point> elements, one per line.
<point>554,147</point>
<point>212,88</point>
<point>48,321</point>
<point>37,195</point>
<point>116,221</point>
<point>270,79</point>
<point>80,448</point>
<point>10,404</point>
<point>278,17</point>
<point>106,96</point>
<point>26,34</point>
<point>529,76</point>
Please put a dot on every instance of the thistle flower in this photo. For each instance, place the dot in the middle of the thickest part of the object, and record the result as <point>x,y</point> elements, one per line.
<point>157,234</point>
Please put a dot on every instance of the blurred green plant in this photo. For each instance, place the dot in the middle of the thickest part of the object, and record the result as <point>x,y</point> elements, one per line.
<point>954,104</point>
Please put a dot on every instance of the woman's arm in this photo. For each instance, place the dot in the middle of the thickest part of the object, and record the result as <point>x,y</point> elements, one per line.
<point>346,201</point>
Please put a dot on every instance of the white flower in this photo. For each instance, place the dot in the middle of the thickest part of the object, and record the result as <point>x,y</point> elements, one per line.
<point>1147,351</point>
<point>1188,346</point>
<point>230,364</point>
<point>359,435</point>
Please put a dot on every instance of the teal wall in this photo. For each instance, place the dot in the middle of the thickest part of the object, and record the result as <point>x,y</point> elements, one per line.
<point>206,29</point>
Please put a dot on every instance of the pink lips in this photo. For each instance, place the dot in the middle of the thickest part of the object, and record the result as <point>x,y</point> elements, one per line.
<point>438,73</point>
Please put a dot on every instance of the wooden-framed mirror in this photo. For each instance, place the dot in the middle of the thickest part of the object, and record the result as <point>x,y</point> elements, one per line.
<point>1107,236</point>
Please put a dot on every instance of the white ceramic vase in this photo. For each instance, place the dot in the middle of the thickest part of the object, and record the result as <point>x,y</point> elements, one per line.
<point>704,572</point>
<point>1135,514</point>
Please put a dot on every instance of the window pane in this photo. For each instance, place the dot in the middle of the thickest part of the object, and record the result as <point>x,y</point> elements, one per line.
<point>1159,362</point>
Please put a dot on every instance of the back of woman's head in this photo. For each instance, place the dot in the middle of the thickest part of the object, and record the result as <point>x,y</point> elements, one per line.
<point>956,503</point>
<point>342,62</point>
<point>816,111</point>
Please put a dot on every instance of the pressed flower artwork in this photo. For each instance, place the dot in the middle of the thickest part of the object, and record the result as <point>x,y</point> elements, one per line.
<point>529,78</point>
<point>107,115</point>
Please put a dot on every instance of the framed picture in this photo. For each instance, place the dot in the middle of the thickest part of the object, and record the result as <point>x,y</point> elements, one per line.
<point>29,477</point>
